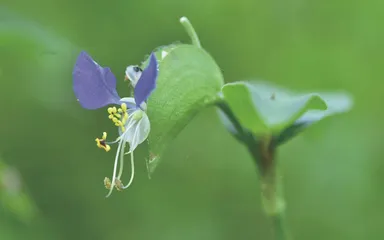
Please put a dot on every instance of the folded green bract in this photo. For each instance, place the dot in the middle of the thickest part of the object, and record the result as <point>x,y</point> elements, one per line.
<point>189,79</point>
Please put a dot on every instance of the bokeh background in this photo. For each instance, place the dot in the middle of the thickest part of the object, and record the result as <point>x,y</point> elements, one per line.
<point>51,172</point>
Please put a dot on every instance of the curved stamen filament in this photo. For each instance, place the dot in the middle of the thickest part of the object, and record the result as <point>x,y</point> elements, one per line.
<point>115,168</point>
<point>116,182</point>
<point>121,162</point>
<point>132,172</point>
<point>132,162</point>
<point>131,124</point>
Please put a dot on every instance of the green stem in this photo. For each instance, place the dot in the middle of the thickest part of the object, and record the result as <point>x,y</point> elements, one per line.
<point>191,31</point>
<point>279,227</point>
<point>272,187</point>
<point>263,152</point>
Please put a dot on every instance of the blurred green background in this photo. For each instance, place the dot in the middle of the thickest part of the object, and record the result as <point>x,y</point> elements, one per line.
<point>207,185</point>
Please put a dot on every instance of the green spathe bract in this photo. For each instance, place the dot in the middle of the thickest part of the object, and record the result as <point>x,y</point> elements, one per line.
<point>189,79</point>
<point>265,109</point>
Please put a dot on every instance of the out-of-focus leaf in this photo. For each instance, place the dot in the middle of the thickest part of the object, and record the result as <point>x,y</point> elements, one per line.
<point>263,108</point>
<point>322,104</point>
<point>38,57</point>
<point>12,195</point>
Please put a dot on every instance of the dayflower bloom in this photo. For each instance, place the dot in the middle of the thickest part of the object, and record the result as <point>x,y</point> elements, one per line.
<point>95,87</point>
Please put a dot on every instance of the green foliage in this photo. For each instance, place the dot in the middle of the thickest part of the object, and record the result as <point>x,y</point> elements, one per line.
<point>206,187</point>
<point>13,196</point>
<point>265,109</point>
<point>189,80</point>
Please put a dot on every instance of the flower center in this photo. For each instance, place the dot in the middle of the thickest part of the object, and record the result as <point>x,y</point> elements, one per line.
<point>119,116</point>
<point>137,115</point>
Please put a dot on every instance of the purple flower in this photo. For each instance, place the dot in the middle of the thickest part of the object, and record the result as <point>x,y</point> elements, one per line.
<point>95,87</point>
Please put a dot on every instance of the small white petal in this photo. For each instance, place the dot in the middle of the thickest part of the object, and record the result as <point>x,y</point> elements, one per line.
<point>133,73</point>
<point>142,132</point>
<point>128,100</point>
<point>131,101</point>
<point>163,54</point>
<point>137,129</point>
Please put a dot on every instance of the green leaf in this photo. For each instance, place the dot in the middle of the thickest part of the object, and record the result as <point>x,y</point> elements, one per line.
<point>12,195</point>
<point>319,104</point>
<point>263,108</point>
<point>189,79</point>
<point>239,99</point>
<point>37,57</point>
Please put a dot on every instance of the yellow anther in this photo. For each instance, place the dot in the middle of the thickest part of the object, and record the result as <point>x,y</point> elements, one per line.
<point>104,135</point>
<point>124,107</point>
<point>119,185</point>
<point>101,142</point>
<point>107,183</point>
<point>125,117</point>
<point>118,116</point>
<point>107,148</point>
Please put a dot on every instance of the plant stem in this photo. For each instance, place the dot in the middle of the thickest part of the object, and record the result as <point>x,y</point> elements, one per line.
<point>263,152</point>
<point>279,227</point>
<point>191,31</point>
<point>272,187</point>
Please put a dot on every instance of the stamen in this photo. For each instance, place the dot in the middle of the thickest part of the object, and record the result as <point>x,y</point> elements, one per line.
<point>132,172</point>
<point>124,107</point>
<point>115,168</point>
<point>125,118</point>
<point>101,142</point>
<point>113,142</point>
<point>132,162</point>
<point>121,162</point>
<point>112,110</point>
<point>122,165</point>
<point>119,185</point>
<point>119,116</point>
<point>107,183</point>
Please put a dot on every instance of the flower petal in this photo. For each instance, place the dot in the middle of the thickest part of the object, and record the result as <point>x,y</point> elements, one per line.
<point>147,82</point>
<point>133,74</point>
<point>137,130</point>
<point>141,133</point>
<point>94,86</point>
<point>130,101</point>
